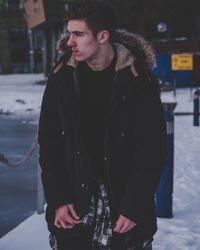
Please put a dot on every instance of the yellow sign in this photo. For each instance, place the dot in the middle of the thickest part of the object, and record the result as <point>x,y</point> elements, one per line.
<point>182,62</point>
<point>35,13</point>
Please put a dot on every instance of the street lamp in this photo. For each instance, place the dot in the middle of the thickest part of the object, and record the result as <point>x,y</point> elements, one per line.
<point>162,27</point>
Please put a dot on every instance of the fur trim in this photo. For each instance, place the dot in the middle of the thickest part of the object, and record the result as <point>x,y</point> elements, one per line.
<point>124,57</point>
<point>138,46</point>
<point>61,44</point>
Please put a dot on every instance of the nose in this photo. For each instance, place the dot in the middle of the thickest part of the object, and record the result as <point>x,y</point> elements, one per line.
<point>70,41</point>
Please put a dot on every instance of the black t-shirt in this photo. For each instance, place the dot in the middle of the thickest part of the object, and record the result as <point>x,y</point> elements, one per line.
<point>95,95</point>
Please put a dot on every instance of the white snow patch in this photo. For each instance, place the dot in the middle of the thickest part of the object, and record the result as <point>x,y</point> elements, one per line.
<point>183,97</point>
<point>20,95</point>
<point>32,234</point>
<point>182,232</point>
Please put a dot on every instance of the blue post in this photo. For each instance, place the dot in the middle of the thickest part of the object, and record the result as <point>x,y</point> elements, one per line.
<point>196,108</point>
<point>164,194</point>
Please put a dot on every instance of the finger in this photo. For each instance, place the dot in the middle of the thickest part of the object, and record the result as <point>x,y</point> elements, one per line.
<point>65,225</point>
<point>124,228</point>
<point>67,218</point>
<point>57,224</point>
<point>119,224</point>
<point>73,212</point>
<point>130,226</point>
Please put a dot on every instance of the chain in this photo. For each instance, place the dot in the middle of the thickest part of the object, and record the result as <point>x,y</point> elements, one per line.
<point>28,155</point>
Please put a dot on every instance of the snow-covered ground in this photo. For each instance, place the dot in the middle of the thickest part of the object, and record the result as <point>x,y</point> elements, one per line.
<point>32,234</point>
<point>182,232</point>
<point>183,97</point>
<point>20,95</point>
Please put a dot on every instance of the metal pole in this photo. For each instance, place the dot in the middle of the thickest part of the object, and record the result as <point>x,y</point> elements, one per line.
<point>191,90</point>
<point>53,47</point>
<point>164,194</point>
<point>44,53</point>
<point>31,51</point>
<point>174,87</point>
<point>196,108</point>
<point>40,192</point>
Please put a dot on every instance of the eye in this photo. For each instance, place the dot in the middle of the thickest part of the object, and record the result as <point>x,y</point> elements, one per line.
<point>74,34</point>
<point>78,33</point>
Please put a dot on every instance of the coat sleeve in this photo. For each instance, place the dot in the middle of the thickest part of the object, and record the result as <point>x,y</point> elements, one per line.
<point>148,151</point>
<point>51,151</point>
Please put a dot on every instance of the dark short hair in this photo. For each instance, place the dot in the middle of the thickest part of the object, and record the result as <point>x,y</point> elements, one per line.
<point>99,15</point>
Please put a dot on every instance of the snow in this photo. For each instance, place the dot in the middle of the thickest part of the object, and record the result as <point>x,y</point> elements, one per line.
<point>32,234</point>
<point>183,97</point>
<point>20,95</point>
<point>182,232</point>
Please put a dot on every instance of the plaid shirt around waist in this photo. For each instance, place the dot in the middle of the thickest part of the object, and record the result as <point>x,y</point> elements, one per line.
<point>99,214</point>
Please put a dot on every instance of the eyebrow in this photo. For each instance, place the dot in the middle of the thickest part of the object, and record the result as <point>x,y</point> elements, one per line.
<point>75,32</point>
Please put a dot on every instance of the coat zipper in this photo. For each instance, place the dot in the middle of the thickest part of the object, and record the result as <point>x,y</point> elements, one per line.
<point>77,88</point>
<point>108,146</point>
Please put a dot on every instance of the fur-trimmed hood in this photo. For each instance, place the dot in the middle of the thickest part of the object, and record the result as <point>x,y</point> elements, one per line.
<point>132,50</point>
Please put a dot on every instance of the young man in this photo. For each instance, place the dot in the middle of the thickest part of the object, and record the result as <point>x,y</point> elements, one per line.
<point>101,136</point>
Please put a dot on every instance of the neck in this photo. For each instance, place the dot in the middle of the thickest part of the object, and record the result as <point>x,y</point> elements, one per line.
<point>103,58</point>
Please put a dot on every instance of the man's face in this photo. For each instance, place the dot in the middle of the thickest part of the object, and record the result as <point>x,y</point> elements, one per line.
<point>84,45</point>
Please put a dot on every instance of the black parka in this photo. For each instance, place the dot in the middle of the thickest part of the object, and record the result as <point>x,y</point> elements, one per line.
<point>134,140</point>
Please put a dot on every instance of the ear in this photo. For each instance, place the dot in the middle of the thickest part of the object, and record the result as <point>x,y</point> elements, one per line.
<point>103,36</point>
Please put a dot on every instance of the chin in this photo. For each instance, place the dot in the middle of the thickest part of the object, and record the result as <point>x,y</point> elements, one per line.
<point>79,59</point>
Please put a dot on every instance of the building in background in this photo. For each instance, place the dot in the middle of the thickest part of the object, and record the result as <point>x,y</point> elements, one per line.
<point>29,30</point>
<point>13,37</point>
<point>45,19</point>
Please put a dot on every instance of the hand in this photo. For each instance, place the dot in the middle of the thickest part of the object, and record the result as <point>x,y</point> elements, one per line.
<point>66,217</point>
<point>123,225</point>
